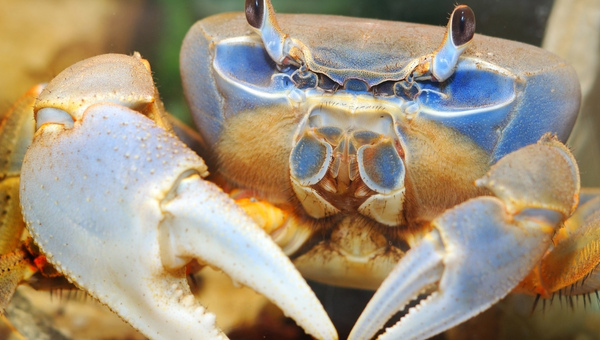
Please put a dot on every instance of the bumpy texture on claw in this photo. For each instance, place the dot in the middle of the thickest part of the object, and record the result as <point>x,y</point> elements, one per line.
<point>98,224</point>
<point>118,205</point>
<point>469,260</point>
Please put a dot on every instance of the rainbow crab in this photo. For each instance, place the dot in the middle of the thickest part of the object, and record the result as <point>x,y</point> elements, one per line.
<point>391,162</point>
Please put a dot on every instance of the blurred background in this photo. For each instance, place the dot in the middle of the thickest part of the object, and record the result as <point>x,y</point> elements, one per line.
<point>39,38</point>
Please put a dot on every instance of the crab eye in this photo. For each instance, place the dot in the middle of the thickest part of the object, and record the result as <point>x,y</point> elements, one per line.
<point>460,32</point>
<point>261,16</point>
<point>462,25</point>
<point>255,11</point>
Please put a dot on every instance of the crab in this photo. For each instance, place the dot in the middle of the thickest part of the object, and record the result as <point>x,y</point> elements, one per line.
<point>424,171</point>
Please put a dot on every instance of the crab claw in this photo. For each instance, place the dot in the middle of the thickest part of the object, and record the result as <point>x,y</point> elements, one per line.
<point>469,260</point>
<point>118,205</point>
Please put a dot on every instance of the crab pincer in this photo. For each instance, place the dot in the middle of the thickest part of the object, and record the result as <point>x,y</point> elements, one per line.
<point>468,261</point>
<point>118,204</point>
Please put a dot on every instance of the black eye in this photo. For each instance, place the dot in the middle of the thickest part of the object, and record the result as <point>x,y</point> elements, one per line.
<point>463,25</point>
<point>255,10</point>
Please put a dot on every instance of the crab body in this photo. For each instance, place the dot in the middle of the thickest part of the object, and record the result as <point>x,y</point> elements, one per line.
<point>228,65</point>
<point>393,162</point>
<point>356,134</point>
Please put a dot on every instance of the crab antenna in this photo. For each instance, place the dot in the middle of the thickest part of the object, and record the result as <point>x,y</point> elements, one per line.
<point>460,32</point>
<point>261,17</point>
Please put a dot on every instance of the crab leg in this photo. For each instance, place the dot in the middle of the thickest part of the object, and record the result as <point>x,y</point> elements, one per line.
<point>573,259</point>
<point>16,132</point>
<point>118,205</point>
<point>469,260</point>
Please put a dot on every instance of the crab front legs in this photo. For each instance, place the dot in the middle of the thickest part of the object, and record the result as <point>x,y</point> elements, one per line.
<point>16,132</point>
<point>118,204</point>
<point>479,251</point>
<point>569,268</point>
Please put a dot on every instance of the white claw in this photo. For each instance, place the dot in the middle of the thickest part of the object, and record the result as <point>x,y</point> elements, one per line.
<point>471,259</point>
<point>107,202</point>
<point>420,268</point>
<point>203,223</point>
<point>479,250</point>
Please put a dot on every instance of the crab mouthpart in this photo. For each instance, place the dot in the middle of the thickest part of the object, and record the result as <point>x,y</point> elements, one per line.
<point>349,161</point>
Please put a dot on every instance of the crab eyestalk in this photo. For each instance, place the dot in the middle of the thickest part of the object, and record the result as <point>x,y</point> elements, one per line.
<point>279,46</point>
<point>118,204</point>
<point>440,65</point>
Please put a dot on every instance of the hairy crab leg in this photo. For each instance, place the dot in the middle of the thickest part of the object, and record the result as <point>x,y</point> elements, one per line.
<point>118,205</point>
<point>469,259</point>
<point>572,260</point>
<point>16,131</point>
